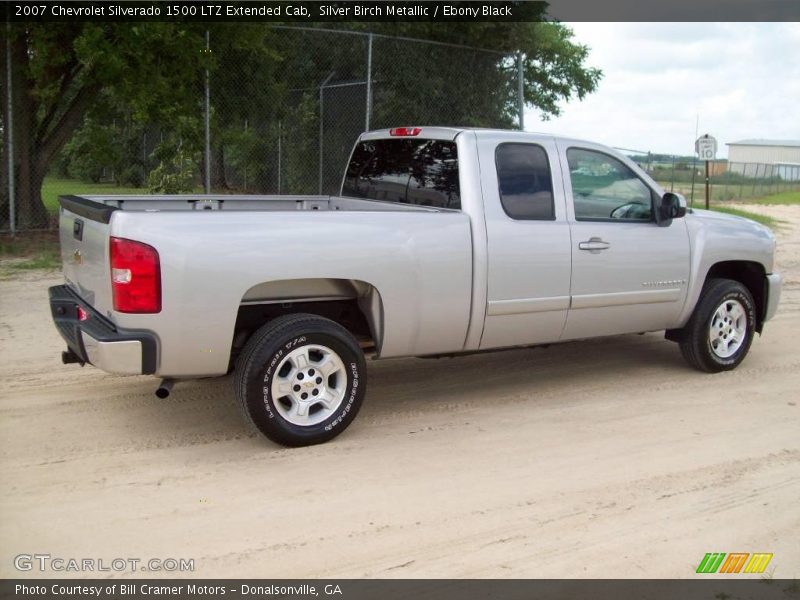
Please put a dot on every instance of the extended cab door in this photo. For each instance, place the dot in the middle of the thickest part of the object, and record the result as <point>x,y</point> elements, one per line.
<point>528,240</point>
<point>628,273</point>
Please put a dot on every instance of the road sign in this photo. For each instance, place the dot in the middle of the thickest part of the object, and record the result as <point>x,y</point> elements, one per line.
<point>706,147</point>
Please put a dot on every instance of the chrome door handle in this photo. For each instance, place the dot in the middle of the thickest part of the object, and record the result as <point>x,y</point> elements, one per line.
<point>594,245</point>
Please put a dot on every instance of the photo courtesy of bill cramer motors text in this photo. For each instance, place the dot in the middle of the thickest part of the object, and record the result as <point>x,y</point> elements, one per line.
<point>177,590</point>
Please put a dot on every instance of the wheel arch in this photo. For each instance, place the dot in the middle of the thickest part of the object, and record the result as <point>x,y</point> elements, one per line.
<point>751,275</point>
<point>354,304</point>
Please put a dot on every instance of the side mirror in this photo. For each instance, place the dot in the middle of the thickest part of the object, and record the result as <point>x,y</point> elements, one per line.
<point>672,206</point>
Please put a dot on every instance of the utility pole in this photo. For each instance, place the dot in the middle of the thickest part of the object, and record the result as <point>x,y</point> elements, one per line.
<point>369,82</point>
<point>10,135</point>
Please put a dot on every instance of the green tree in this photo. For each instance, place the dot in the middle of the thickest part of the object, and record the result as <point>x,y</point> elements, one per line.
<point>61,72</point>
<point>420,83</point>
<point>152,75</point>
<point>247,95</point>
<point>555,69</point>
<point>100,148</point>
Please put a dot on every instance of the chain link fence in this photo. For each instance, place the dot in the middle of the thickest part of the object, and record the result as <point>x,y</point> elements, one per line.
<point>728,180</point>
<point>284,120</point>
<point>276,122</point>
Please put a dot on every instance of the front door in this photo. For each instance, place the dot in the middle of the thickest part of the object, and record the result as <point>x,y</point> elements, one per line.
<point>628,273</point>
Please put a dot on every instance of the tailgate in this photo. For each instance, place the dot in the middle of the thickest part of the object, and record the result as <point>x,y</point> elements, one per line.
<point>84,234</point>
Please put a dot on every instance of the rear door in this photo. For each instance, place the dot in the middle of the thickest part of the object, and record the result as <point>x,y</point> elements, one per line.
<point>528,241</point>
<point>628,273</point>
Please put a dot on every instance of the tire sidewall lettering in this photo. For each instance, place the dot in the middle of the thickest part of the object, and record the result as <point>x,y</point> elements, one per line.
<point>344,410</point>
<point>267,377</point>
<point>744,300</point>
<point>353,383</point>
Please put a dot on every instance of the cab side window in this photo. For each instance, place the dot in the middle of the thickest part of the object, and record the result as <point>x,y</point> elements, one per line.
<point>526,186</point>
<point>604,188</point>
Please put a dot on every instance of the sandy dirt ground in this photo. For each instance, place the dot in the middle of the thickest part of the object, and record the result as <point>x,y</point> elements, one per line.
<point>608,458</point>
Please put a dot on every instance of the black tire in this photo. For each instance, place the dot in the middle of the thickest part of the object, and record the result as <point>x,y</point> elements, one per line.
<point>695,344</point>
<point>265,353</point>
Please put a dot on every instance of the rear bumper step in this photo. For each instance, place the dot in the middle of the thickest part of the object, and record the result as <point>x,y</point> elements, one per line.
<point>97,341</point>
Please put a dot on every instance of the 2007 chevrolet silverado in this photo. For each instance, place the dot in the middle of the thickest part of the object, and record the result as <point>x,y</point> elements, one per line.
<point>442,241</point>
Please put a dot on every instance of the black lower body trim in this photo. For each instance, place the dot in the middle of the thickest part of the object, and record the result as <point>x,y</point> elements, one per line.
<point>64,305</point>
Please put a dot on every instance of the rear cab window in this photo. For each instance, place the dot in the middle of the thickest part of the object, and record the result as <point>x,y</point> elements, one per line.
<point>410,171</point>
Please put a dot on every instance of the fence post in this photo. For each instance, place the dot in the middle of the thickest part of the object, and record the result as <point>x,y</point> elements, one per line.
<point>207,184</point>
<point>144,157</point>
<point>321,125</point>
<point>755,181</point>
<point>741,183</point>
<point>280,151</point>
<point>672,177</point>
<point>244,184</point>
<point>521,91</point>
<point>771,180</point>
<point>369,81</point>
<point>10,136</point>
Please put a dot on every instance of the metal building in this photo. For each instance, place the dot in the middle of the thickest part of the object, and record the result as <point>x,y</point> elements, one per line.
<point>765,158</point>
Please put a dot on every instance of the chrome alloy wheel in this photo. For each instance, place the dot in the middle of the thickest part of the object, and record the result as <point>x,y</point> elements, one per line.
<point>728,328</point>
<point>309,385</point>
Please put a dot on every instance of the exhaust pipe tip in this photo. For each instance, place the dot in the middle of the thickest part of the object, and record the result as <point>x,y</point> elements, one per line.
<point>68,357</point>
<point>164,388</point>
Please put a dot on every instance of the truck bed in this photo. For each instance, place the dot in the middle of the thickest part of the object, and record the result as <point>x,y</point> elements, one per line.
<point>412,265</point>
<point>173,202</point>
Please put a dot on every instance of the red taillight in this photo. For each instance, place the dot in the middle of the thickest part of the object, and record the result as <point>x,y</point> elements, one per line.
<point>404,131</point>
<point>82,314</point>
<point>135,277</point>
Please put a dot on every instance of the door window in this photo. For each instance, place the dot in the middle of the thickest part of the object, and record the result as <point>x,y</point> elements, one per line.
<point>526,187</point>
<point>604,188</point>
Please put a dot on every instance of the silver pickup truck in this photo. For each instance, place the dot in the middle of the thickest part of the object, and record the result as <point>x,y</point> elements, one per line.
<point>443,241</point>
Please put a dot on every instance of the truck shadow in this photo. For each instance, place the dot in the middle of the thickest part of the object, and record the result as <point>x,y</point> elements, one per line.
<point>206,411</point>
<point>558,370</point>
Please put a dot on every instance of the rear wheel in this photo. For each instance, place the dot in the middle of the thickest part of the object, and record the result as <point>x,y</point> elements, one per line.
<point>301,379</point>
<point>720,331</point>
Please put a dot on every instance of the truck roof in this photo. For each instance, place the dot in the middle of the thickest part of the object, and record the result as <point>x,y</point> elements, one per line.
<point>450,133</point>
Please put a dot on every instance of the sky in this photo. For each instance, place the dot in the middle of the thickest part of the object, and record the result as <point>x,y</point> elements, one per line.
<point>741,79</point>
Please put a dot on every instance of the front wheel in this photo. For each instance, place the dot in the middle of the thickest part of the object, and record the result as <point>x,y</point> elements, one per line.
<point>720,331</point>
<point>301,379</point>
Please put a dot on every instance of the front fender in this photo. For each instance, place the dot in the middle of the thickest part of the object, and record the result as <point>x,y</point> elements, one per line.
<point>717,238</point>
